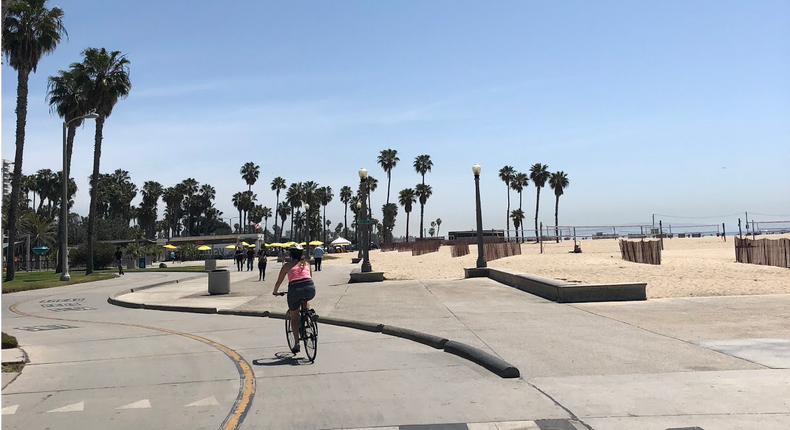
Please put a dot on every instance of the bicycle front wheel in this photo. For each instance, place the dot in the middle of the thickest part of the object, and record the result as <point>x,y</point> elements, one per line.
<point>310,338</point>
<point>289,335</point>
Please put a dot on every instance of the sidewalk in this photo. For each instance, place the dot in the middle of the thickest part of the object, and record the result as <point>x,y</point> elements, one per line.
<point>609,362</point>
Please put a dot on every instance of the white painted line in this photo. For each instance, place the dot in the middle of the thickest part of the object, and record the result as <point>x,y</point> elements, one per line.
<point>142,404</point>
<point>208,401</point>
<point>517,425</point>
<point>76,407</point>
<point>10,410</point>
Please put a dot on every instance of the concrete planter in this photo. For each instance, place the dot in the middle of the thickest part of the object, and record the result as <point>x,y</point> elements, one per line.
<point>219,282</point>
<point>210,265</point>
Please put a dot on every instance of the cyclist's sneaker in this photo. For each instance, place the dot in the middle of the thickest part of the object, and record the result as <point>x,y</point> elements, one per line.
<point>295,349</point>
<point>312,313</point>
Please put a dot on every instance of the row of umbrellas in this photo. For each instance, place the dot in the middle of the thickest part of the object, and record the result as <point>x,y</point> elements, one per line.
<point>252,245</point>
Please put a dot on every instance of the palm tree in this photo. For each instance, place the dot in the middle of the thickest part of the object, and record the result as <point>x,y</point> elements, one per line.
<point>294,198</point>
<point>152,191</point>
<point>423,165</point>
<point>518,217</point>
<point>539,173</point>
<point>105,78</point>
<point>438,225</point>
<point>407,197</point>
<point>40,228</point>
<point>266,214</point>
<point>250,172</point>
<point>172,197</point>
<point>67,99</point>
<point>558,182</point>
<point>519,182</point>
<point>282,210</point>
<point>506,175</point>
<point>278,184</point>
<point>325,196</point>
<point>30,31</point>
<point>423,192</point>
<point>345,197</point>
<point>45,183</point>
<point>388,159</point>
<point>371,185</point>
<point>238,204</point>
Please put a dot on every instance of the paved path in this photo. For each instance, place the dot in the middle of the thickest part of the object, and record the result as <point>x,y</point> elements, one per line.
<point>657,364</point>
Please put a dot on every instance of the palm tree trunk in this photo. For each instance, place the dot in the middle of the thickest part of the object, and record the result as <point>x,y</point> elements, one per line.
<point>324,223</point>
<point>16,183</point>
<point>422,215</point>
<point>345,221</point>
<point>556,219</point>
<point>507,215</point>
<point>292,223</point>
<point>94,186</point>
<point>516,227</point>
<point>537,207</point>
<point>389,181</point>
<point>276,208</point>
<point>522,224</point>
<point>407,226</point>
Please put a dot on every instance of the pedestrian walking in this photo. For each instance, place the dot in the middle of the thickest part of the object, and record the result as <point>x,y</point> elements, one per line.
<point>318,254</point>
<point>261,265</point>
<point>250,259</point>
<point>239,259</point>
<point>119,259</point>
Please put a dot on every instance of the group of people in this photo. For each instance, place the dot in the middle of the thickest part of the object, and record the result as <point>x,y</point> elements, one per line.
<point>247,258</point>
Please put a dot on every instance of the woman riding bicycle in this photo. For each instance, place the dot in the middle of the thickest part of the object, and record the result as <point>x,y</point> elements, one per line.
<point>300,287</point>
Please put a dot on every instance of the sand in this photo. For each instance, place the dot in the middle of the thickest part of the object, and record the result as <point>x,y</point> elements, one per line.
<point>690,267</point>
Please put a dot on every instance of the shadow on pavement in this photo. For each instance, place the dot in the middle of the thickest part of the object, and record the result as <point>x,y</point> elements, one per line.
<point>282,359</point>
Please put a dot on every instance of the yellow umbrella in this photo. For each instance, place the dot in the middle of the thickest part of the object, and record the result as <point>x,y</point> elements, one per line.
<point>169,246</point>
<point>204,248</point>
<point>316,243</point>
<point>251,246</point>
<point>230,246</point>
<point>302,244</point>
<point>286,244</point>
<point>245,243</point>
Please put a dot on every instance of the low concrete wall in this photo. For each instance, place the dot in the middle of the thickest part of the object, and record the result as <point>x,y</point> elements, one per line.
<point>563,292</point>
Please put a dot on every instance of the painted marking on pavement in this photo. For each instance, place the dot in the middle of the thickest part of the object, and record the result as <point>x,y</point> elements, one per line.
<point>506,425</point>
<point>36,328</point>
<point>500,425</point>
<point>76,407</point>
<point>243,401</point>
<point>208,401</point>
<point>10,410</point>
<point>142,404</point>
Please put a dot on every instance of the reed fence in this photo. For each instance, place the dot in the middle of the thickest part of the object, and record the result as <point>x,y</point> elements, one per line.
<point>643,251</point>
<point>766,252</point>
<point>459,249</point>
<point>404,246</point>
<point>495,251</point>
<point>420,248</point>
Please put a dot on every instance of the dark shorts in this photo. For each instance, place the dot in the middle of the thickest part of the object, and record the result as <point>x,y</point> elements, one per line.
<point>303,289</point>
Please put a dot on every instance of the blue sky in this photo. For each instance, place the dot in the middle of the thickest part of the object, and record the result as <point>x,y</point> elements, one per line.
<point>672,107</point>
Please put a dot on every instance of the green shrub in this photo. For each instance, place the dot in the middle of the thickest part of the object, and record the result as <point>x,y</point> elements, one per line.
<point>103,255</point>
<point>9,341</point>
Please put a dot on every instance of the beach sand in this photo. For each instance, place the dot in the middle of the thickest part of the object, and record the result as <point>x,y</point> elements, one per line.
<point>690,267</point>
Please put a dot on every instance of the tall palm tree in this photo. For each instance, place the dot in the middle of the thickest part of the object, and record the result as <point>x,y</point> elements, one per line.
<point>250,173</point>
<point>388,159</point>
<point>325,196</point>
<point>371,185</point>
<point>423,192</point>
<point>345,197</point>
<point>30,31</point>
<point>423,165</point>
<point>45,183</point>
<point>407,197</point>
<point>558,182</point>
<point>353,203</point>
<point>506,175</point>
<point>438,225</point>
<point>238,204</point>
<point>294,197</point>
<point>266,213</point>
<point>539,173</point>
<point>518,217</point>
<point>282,211</point>
<point>519,182</point>
<point>172,197</point>
<point>152,191</point>
<point>105,78</point>
<point>278,184</point>
<point>67,98</point>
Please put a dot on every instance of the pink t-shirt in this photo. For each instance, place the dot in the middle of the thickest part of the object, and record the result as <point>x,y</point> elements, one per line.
<point>298,272</point>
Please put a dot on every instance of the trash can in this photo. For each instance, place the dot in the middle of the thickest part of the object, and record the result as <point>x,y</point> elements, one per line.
<point>130,263</point>
<point>219,282</point>
<point>210,265</point>
<point>141,262</point>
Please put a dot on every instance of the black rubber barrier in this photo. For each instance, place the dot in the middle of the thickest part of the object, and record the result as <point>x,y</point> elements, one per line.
<point>243,313</point>
<point>423,338</point>
<point>360,325</point>
<point>490,362</point>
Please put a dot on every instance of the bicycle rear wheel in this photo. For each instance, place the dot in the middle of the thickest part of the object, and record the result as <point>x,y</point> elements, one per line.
<point>289,336</point>
<point>310,336</point>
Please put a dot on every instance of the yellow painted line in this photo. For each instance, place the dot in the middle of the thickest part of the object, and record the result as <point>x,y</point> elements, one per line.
<point>247,384</point>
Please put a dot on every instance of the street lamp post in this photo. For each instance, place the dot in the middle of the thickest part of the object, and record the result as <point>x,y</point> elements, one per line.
<point>363,174</point>
<point>359,244</point>
<point>481,259</point>
<point>64,202</point>
<point>307,230</point>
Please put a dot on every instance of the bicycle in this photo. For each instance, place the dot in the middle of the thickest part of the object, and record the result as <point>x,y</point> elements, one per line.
<point>308,329</point>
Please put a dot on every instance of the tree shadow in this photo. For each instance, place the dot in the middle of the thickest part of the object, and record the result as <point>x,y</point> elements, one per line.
<point>282,359</point>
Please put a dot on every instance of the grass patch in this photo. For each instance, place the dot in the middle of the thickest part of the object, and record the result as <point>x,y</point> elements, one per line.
<point>9,341</point>
<point>25,281</point>
<point>13,368</point>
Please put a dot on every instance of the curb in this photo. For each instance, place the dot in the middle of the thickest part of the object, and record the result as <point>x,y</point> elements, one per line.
<point>470,353</point>
<point>490,362</point>
<point>416,336</point>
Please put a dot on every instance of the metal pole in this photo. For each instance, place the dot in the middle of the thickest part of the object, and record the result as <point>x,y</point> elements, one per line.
<point>365,231</point>
<point>64,214</point>
<point>723,232</point>
<point>27,261</point>
<point>481,259</point>
<point>661,234</point>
